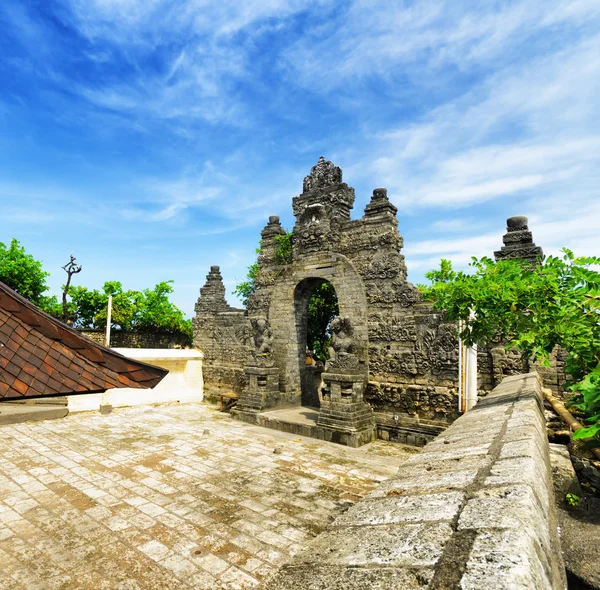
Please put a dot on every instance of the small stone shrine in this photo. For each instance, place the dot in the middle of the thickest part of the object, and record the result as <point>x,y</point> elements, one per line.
<point>393,368</point>
<point>518,242</point>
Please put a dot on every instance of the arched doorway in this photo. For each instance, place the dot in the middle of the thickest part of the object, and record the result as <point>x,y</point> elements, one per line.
<point>315,306</point>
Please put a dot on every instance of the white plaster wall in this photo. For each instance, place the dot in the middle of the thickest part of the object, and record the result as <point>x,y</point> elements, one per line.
<point>184,382</point>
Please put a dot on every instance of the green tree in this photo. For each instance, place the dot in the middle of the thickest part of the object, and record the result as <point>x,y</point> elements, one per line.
<point>147,310</point>
<point>322,308</point>
<point>22,272</point>
<point>534,309</point>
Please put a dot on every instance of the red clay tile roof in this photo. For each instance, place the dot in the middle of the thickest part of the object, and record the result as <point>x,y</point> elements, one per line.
<point>40,356</point>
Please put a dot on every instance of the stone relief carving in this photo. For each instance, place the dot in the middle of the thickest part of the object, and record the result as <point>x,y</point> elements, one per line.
<point>313,229</point>
<point>341,351</point>
<point>400,363</point>
<point>518,242</point>
<point>324,174</point>
<point>385,265</point>
<point>262,341</point>
<point>445,347</point>
<point>258,302</point>
<point>507,362</point>
<point>391,328</point>
<point>360,241</point>
<point>390,292</point>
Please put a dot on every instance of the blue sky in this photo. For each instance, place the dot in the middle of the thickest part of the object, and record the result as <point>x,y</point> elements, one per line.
<point>153,138</point>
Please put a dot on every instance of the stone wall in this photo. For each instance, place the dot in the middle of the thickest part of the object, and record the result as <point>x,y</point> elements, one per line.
<point>220,333</point>
<point>474,510</point>
<point>122,339</point>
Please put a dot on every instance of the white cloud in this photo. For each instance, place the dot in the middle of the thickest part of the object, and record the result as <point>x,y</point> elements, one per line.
<point>209,57</point>
<point>416,39</point>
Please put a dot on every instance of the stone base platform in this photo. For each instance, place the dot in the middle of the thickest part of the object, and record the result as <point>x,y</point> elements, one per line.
<point>303,422</point>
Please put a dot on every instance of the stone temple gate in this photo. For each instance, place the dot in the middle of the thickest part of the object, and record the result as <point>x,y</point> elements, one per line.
<point>393,369</point>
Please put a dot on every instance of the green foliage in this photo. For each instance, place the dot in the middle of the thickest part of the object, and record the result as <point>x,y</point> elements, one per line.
<point>573,500</point>
<point>322,308</point>
<point>23,273</point>
<point>283,254</point>
<point>534,309</point>
<point>444,274</point>
<point>244,289</point>
<point>144,311</point>
<point>147,310</point>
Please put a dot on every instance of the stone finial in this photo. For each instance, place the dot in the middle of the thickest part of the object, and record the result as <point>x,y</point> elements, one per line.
<point>272,229</point>
<point>324,174</point>
<point>380,205</point>
<point>516,223</point>
<point>518,242</point>
<point>212,295</point>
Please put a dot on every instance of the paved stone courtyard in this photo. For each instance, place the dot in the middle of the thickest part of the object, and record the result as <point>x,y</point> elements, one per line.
<point>172,496</point>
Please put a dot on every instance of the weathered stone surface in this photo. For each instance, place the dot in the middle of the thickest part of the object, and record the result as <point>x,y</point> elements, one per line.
<point>478,516</point>
<point>396,509</point>
<point>168,497</point>
<point>506,560</point>
<point>221,332</point>
<point>385,545</point>
<point>425,482</point>
<point>324,578</point>
<point>518,242</point>
<point>563,475</point>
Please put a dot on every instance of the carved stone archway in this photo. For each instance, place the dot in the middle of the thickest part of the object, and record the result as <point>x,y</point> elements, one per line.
<point>286,315</point>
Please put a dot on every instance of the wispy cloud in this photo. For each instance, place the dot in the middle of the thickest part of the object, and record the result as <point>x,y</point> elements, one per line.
<point>134,123</point>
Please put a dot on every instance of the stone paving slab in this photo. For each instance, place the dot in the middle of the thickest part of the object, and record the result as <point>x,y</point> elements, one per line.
<point>171,496</point>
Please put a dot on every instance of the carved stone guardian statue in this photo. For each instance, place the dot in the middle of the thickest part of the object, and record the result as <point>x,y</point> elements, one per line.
<point>262,340</point>
<point>341,351</point>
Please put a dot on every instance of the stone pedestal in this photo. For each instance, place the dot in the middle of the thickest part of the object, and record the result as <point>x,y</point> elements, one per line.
<point>343,411</point>
<point>261,393</point>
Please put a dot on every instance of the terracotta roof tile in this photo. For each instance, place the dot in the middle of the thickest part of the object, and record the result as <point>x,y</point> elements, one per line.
<point>40,356</point>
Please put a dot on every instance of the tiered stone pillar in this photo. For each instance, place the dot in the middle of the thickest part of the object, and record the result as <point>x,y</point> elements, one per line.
<point>344,411</point>
<point>262,389</point>
<point>518,242</point>
<point>261,393</point>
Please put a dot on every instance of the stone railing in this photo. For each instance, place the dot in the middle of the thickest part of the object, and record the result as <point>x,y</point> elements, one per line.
<point>474,510</point>
<point>183,383</point>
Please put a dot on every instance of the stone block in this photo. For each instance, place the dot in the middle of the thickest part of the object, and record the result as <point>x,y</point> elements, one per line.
<point>412,545</point>
<point>508,507</point>
<point>563,475</point>
<point>397,509</point>
<point>443,454</point>
<point>425,483</point>
<point>328,578</point>
<point>505,560</point>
